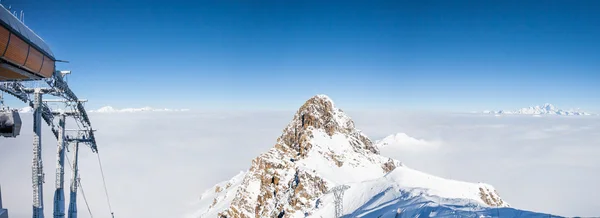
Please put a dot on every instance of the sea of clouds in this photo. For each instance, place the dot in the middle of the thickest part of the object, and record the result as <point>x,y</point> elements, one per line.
<point>157,164</point>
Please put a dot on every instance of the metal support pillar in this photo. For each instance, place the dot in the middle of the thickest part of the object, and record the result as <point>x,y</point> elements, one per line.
<point>59,193</point>
<point>37,167</point>
<point>3,212</point>
<point>1,197</point>
<point>74,183</point>
<point>338,193</point>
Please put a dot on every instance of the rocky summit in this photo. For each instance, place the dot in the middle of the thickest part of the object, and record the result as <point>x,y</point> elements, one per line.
<point>318,150</point>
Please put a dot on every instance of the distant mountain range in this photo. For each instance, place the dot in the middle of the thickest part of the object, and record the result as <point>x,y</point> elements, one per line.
<point>26,110</point>
<point>546,109</point>
<point>109,109</point>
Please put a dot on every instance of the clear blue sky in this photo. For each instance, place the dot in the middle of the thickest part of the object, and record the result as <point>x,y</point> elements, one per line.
<point>446,55</point>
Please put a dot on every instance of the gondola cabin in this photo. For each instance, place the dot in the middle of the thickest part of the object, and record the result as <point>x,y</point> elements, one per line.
<point>23,54</point>
<point>10,123</point>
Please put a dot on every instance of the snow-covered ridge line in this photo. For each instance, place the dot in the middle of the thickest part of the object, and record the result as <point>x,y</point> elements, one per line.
<point>405,142</point>
<point>109,109</point>
<point>26,109</point>
<point>546,109</point>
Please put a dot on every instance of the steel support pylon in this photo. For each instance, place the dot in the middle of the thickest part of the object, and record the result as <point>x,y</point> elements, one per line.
<point>74,183</point>
<point>37,167</point>
<point>59,193</point>
<point>338,193</point>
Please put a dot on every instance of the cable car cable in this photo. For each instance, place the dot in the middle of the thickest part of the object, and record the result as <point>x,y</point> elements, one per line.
<point>104,184</point>
<point>85,199</point>
<point>81,188</point>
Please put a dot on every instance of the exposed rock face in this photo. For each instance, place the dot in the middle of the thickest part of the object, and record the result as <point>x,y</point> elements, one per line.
<point>389,166</point>
<point>319,149</point>
<point>319,112</point>
<point>490,197</point>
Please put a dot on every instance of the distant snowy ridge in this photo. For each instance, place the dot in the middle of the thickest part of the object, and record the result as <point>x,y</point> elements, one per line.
<point>26,109</point>
<point>407,143</point>
<point>109,109</point>
<point>546,109</point>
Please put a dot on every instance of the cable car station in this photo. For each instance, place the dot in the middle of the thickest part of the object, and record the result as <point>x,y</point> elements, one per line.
<point>27,72</point>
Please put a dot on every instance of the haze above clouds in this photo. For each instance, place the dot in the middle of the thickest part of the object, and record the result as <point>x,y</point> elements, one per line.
<point>165,161</point>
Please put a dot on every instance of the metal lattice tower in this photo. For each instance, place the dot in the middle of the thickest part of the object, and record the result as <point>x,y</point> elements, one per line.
<point>31,92</point>
<point>338,192</point>
<point>37,167</point>
<point>59,195</point>
<point>74,183</point>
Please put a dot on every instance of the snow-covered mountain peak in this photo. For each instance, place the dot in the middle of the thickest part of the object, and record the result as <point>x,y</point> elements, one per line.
<point>106,109</point>
<point>319,115</point>
<point>320,112</point>
<point>323,97</point>
<point>549,107</point>
<point>318,150</point>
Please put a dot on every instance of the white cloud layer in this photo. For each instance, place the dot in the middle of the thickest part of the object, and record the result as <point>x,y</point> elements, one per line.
<point>158,164</point>
<point>546,164</point>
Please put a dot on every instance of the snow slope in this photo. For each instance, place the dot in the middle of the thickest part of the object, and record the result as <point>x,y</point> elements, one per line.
<point>410,191</point>
<point>218,197</point>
